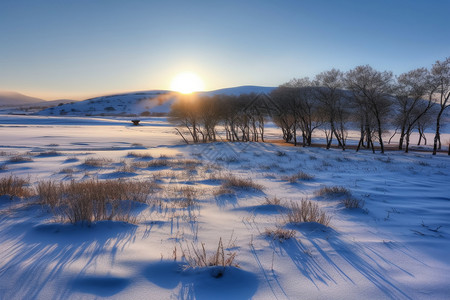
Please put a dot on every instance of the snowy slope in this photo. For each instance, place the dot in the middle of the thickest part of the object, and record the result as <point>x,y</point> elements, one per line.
<point>394,247</point>
<point>137,103</point>
<point>13,98</point>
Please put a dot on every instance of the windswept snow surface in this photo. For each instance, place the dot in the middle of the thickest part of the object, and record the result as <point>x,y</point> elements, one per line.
<point>395,247</point>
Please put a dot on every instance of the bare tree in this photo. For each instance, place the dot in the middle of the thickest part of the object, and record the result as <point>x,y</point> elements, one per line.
<point>411,87</point>
<point>371,91</point>
<point>328,90</point>
<point>440,73</point>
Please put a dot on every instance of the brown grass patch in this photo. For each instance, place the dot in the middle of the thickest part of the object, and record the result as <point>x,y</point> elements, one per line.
<point>19,159</point>
<point>96,162</point>
<point>94,200</point>
<point>307,211</point>
<point>14,186</point>
<point>233,182</point>
<point>350,202</point>
<point>329,191</point>
<point>197,257</point>
<point>298,176</point>
<point>279,233</point>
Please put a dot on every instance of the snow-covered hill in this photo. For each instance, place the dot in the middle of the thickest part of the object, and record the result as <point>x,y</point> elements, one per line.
<point>136,103</point>
<point>13,98</point>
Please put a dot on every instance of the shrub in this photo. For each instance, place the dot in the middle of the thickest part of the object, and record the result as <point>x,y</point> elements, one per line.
<point>272,201</point>
<point>96,162</point>
<point>197,257</point>
<point>350,202</point>
<point>14,186</point>
<point>328,191</point>
<point>140,155</point>
<point>93,200</point>
<point>234,182</point>
<point>279,233</point>
<point>298,176</point>
<point>19,159</point>
<point>306,211</point>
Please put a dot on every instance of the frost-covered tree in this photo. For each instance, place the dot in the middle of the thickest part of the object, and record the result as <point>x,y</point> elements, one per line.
<point>328,91</point>
<point>371,92</point>
<point>411,106</point>
<point>440,73</point>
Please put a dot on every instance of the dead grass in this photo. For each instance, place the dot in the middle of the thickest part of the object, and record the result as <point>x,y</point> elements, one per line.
<point>234,182</point>
<point>298,176</point>
<point>96,162</point>
<point>50,153</point>
<point>158,163</point>
<point>306,211</point>
<point>332,191</point>
<point>185,196</point>
<point>197,257</point>
<point>272,201</point>
<point>14,186</point>
<point>279,233</point>
<point>93,200</point>
<point>19,159</point>
<point>350,202</point>
<point>142,155</point>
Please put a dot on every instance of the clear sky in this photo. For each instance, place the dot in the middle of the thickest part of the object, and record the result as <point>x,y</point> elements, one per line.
<point>80,48</point>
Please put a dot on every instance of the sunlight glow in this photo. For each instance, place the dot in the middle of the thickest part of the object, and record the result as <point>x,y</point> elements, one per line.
<point>187,83</point>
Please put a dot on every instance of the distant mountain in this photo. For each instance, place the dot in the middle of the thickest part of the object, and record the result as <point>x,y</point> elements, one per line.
<point>143,103</point>
<point>16,99</point>
<point>245,89</point>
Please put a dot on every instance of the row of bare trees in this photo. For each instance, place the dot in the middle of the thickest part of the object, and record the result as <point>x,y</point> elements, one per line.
<point>334,101</point>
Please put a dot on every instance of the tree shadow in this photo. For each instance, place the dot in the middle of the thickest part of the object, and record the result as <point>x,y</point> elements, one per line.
<point>199,283</point>
<point>322,266</point>
<point>46,255</point>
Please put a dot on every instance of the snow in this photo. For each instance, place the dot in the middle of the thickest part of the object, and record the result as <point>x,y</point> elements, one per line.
<point>396,246</point>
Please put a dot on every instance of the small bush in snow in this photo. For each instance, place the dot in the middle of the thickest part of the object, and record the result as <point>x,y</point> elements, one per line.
<point>272,201</point>
<point>298,176</point>
<point>329,191</point>
<point>234,182</point>
<point>306,211</point>
<point>14,187</point>
<point>96,162</point>
<point>197,257</point>
<point>279,233</point>
<point>93,200</point>
<point>19,159</point>
<point>350,202</point>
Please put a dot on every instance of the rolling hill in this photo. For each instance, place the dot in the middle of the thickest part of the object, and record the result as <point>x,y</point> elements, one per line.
<point>136,103</point>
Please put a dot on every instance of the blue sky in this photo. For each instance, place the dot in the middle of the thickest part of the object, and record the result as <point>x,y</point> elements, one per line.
<point>80,48</point>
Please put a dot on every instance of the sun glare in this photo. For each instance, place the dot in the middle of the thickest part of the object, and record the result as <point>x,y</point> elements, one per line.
<point>187,83</point>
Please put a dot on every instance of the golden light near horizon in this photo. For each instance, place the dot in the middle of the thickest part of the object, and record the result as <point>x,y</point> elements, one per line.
<point>187,83</point>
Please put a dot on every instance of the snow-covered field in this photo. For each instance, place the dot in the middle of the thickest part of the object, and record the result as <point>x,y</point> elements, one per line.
<point>395,246</point>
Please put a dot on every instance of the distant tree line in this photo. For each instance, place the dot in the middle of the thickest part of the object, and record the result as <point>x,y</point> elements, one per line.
<point>333,101</point>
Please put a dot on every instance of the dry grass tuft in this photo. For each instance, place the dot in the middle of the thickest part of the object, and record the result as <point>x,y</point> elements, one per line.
<point>142,155</point>
<point>279,233</point>
<point>329,191</point>
<point>96,162</point>
<point>185,196</point>
<point>298,176</point>
<point>14,186</point>
<point>272,201</point>
<point>19,159</point>
<point>94,200</point>
<point>233,182</point>
<point>350,202</point>
<point>197,257</point>
<point>158,163</point>
<point>307,211</point>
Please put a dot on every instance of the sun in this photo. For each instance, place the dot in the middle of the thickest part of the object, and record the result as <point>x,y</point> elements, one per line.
<point>187,83</point>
